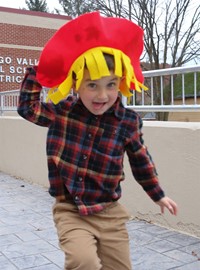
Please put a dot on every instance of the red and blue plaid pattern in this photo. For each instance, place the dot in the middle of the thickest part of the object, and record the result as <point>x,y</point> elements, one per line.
<point>85,152</point>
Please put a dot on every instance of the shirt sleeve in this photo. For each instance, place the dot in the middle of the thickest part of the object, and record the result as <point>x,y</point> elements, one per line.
<point>142,165</point>
<point>30,106</point>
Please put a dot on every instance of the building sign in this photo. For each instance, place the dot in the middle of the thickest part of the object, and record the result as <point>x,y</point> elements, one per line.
<point>12,69</point>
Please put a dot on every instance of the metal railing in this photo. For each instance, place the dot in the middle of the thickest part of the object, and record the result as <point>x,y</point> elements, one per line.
<point>9,100</point>
<point>160,82</point>
<point>161,94</point>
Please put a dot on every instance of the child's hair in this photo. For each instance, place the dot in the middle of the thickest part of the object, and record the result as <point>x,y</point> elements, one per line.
<point>110,61</point>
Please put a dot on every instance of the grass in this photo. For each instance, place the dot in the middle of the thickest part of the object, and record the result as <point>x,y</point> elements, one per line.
<point>189,84</point>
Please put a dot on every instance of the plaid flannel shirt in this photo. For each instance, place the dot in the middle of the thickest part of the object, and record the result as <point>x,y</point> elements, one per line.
<point>85,152</point>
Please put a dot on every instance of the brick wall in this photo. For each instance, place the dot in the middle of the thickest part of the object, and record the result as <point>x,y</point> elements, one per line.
<point>23,36</point>
<point>13,63</point>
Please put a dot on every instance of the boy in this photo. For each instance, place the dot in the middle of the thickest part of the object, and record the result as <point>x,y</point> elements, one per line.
<point>88,136</point>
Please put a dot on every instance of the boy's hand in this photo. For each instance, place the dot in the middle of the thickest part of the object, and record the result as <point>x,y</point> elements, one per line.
<point>169,204</point>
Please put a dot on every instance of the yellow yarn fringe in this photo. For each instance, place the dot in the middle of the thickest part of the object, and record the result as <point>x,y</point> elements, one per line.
<point>97,67</point>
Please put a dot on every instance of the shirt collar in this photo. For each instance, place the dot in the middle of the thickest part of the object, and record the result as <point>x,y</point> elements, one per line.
<point>118,109</point>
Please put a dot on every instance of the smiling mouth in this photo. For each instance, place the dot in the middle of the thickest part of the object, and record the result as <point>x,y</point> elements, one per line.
<point>98,105</point>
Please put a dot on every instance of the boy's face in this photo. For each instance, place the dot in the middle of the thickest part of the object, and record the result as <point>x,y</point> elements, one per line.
<point>99,95</point>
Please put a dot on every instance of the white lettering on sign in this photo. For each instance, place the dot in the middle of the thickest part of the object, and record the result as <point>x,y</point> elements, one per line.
<point>18,70</point>
<point>27,62</point>
<point>5,60</point>
<point>12,69</point>
<point>1,69</point>
<point>10,79</point>
<point>18,79</point>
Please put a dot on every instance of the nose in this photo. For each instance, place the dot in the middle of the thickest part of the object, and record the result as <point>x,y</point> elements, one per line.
<point>102,94</point>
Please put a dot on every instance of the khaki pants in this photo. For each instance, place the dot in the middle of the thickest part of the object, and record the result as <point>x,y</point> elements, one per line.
<point>94,242</point>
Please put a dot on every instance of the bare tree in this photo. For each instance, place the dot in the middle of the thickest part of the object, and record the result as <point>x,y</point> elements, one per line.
<point>112,8</point>
<point>171,30</point>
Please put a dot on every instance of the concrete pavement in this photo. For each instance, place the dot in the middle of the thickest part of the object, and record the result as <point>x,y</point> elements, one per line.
<point>28,238</point>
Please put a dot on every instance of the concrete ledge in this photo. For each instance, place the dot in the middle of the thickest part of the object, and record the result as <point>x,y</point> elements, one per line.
<point>23,149</point>
<point>174,147</point>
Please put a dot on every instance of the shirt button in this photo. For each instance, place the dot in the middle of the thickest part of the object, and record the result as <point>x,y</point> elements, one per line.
<point>84,157</point>
<point>89,135</point>
<point>76,198</point>
<point>80,178</point>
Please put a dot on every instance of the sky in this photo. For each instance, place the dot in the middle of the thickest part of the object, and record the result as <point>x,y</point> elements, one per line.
<point>21,4</point>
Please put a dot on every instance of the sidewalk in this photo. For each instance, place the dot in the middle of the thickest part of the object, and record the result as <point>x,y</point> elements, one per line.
<point>28,238</point>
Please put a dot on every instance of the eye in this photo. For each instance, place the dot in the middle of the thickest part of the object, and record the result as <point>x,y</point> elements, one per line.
<point>92,85</point>
<point>112,85</point>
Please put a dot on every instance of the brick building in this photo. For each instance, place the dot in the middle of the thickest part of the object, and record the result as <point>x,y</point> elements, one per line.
<point>23,36</point>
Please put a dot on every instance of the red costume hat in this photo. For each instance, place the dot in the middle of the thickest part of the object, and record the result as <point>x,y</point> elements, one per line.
<point>84,33</point>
